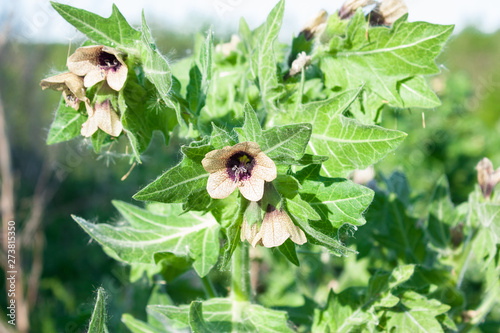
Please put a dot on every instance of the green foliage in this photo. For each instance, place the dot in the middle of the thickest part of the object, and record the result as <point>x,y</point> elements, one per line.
<point>113,31</point>
<point>151,233</point>
<point>67,124</point>
<point>416,264</point>
<point>98,320</point>
<point>382,58</point>
<point>222,315</point>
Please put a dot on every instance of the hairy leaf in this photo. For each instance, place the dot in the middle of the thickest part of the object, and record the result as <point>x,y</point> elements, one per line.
<point>98,320</point>
<point>380,57</point>
<point>264,59</point>
<point>351,145</point>
<point>67,124</point>
<point>113,31</point>
<point>223,315</point>
<point>147,234</point>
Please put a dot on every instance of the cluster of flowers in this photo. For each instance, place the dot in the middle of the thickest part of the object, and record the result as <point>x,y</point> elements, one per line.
<point>246,167</point>
<point>87,67</point>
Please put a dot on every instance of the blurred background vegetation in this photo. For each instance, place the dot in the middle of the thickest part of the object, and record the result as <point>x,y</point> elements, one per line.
<point>73,180</point>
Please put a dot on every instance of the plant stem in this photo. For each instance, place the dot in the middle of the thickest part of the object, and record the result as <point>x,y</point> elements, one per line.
<point>209,287</point>
<point>240,269</point>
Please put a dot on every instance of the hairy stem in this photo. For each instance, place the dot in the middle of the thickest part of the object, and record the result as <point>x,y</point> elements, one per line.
<point>240,281</point>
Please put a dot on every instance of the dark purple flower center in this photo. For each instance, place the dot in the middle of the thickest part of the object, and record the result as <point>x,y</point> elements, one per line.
<point>239,166</point>
<point>108,61</point>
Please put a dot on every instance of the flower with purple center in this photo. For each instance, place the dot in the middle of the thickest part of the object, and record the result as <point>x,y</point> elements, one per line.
<point>242,166</point>
<point>98,63</point>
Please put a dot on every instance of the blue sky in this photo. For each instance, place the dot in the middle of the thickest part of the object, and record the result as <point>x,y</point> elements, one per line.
<point>34,20</point>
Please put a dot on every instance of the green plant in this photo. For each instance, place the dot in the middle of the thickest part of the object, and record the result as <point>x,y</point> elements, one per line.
<point>274,131</point>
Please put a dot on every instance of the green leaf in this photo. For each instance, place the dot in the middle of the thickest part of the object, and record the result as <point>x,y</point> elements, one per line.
<point>356,307</point>
<point>415,92</point>
<point>351,145</point>
<point>322,111</point>
<point>146,234</point>
<point>302,209</point>
<point>67,124</point>
<point>194,93</point>
<point>285,144</point>
<point>416,314</point>
<point>206,58</point>
<point>138,326</point>
<point>100,139</point>
<point>224,315</point>
<point>336,200</point>
<point>441,215</point>
<point>155,66</point>
<point>113,31</point>
<point>309,159</point>
<point>220,138</point>
<point>143,112</point>
<point>380,57</point>
<point>343,313</point>
<point>98,320</point>
<point>288,250</point>
<point>251,130</point>
<point>394,228</point>
<point>178,184</point>
<point>264,59</point>
<point>199,80</point>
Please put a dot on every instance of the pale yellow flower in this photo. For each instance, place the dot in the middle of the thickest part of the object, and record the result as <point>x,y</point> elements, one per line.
<point>71,86</point>
<point>242,166</point>
<point>275,229</point>
<point>315,26</point>
<point>385,12</point>
<point>487,177</point>
<point>298,65</point>
<point>98,63</point>
<point>104,117</point>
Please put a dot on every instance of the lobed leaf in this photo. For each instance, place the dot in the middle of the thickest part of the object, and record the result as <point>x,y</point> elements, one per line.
<point>148,234</point>
<point>113,31</point>
<point>351,145</point>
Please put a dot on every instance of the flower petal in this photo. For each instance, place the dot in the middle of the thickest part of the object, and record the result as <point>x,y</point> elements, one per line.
<point>217,159</point>
<point>219,185</point>
<point>252,188</point>
<point>273,229</point>
<point>85,59</point>
<point>249,233</point>
<point>90,126</point>
<point>107,119</point>
<point>93,77</point>
<point>296,234</point>
<point>117,79</point>
<point>264,167</point>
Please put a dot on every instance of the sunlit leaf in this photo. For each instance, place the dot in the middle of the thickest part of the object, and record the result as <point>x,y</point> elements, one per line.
<point>113,31</point>
<point>146,234</point>
<point>67,124</point>
<point>99,317</point>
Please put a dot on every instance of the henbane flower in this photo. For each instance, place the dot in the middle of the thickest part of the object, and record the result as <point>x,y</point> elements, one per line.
<point>104,117</point>
<point>71,86</point>
<point>276,228</point>
<point>98,63</point>
<point>243,165</point>
<point>487,177</point>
